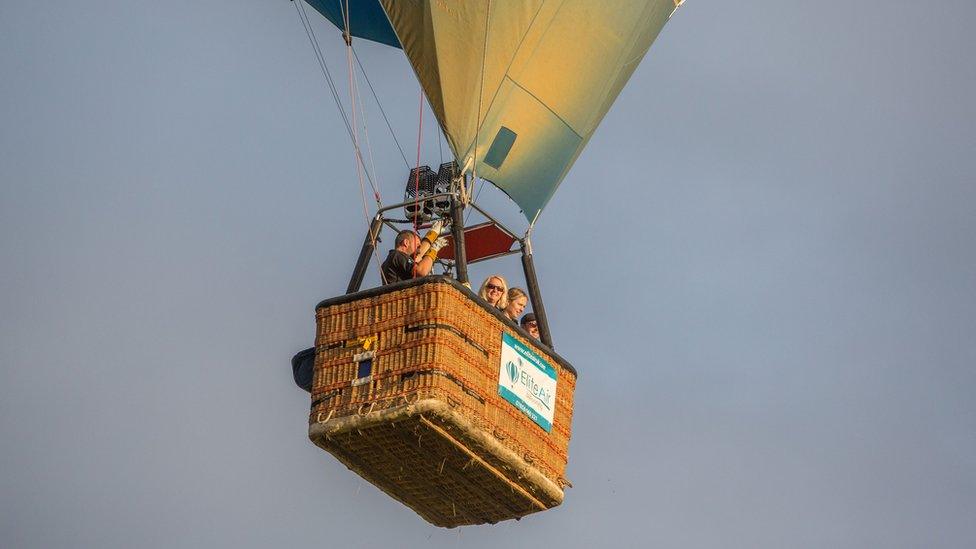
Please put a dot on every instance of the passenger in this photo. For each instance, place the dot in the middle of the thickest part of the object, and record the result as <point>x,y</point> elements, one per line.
<point>530,325</point>
<point>494,291</point>
<point>412,256</point>
<point>516,303</point>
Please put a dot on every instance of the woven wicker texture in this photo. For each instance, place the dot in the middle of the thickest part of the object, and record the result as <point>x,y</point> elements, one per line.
<point>424,421</point>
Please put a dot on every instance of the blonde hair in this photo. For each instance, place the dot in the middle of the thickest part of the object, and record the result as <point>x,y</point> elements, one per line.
<point>503,299</point>
<point>515,293</point>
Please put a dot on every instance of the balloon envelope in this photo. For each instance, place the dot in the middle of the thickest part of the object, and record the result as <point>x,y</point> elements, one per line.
<point>518,86</point>
<point>366,19</point>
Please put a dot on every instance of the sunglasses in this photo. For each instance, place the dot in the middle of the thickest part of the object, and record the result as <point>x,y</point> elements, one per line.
<point>532,324</point>
<point>490,287</point>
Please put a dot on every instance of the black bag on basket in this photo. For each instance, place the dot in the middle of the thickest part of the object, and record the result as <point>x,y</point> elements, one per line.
<point>302,366</point>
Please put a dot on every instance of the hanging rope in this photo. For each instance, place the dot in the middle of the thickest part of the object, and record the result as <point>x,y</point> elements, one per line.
<point>481,94</point>
<point>354,100</point>
<point>416,180</point>
<point>369,146</point>
<point>323,66</point>
<point>382,111</point>
<point>440,150</point>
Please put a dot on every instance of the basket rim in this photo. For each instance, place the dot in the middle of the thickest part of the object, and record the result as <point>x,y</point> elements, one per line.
<point>464,290</point>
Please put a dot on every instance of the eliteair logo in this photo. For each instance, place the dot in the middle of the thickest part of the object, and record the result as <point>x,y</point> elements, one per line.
<point>522,376</point>
<point>527,381</point>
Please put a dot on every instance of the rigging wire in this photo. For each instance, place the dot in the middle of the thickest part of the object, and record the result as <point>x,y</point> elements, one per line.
<point>440,149</point>
<point>323,66</point>
<point>481,91</point>
<point>372,164</point>
<point>481,95</point>
<point>352,103</point>
<point>416,181</point>
<point>382,111</point>
<point>353,100</point>
<point>369,146</point>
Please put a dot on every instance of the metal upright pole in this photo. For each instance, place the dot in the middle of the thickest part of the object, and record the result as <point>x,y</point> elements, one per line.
<point>534,294</point>
<point>360,271</point>
<point>457,230</point>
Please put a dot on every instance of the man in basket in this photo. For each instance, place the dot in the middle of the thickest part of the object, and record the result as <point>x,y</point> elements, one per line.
<point>412,256</point>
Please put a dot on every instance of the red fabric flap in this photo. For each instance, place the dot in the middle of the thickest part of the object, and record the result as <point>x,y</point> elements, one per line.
<point>481,242</point>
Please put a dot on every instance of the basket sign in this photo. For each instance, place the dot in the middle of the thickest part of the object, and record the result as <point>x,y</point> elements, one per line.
<point>527,381</point>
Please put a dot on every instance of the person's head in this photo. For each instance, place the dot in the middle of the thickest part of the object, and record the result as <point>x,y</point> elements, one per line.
<point>494,291</point>
<point>407,241</point>
<point>530,325</point>
<point>516,303</point>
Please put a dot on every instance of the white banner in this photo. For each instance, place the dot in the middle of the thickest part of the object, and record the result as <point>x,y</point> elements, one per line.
<point>528,381</point>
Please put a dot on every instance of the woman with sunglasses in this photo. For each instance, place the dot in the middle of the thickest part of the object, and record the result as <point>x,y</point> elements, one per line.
<point>494,291</point>
<point>517,300</point>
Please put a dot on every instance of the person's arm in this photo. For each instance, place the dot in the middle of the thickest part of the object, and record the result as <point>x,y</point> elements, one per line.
<point>423,267</point>
<point>422,249</point>
<point>427,241</point>
<point>426,263</point>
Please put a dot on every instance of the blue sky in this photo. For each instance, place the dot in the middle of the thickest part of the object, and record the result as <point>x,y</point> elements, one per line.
<point>763,266</point>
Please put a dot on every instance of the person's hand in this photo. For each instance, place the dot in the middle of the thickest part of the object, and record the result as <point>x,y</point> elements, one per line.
<point>438,244</point>
<point>435,247</point>
<point>434,231</point>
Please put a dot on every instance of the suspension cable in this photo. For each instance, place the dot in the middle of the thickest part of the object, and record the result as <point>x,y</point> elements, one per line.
<point>440,149</point>
<point>324,67</point>
<point>353,100</point>
<point>416,180</point>
<point>369,146</point>
<point>481,94</point>
<point>382,111</point>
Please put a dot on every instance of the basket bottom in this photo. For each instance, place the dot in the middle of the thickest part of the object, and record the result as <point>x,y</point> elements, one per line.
<point>438,463</point>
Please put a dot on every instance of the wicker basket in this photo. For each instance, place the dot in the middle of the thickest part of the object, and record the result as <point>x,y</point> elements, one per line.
<point>406,394</point>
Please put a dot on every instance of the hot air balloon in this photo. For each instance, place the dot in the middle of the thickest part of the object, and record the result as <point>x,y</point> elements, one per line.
<point>420,386</point>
